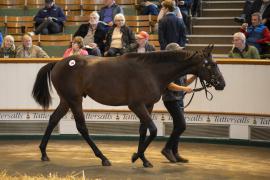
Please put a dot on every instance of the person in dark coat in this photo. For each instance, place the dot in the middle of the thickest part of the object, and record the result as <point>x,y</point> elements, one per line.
<point>171,28</point>
<point>93,34</point>
<point>120,38</point>
<point>50,19</point>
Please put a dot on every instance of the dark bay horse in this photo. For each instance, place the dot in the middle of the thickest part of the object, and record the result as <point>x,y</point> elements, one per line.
<point>136,80</point>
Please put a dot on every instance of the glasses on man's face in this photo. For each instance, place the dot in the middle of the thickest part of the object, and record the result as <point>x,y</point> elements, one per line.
<point>119,20</point>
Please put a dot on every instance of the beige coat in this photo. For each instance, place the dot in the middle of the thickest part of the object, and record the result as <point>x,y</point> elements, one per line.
<point>34,52</point>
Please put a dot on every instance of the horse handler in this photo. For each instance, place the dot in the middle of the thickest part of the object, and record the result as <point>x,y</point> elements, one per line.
<point>173,101</point>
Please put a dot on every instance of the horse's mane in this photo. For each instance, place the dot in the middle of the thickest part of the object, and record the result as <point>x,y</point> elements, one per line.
<point>160,56</point>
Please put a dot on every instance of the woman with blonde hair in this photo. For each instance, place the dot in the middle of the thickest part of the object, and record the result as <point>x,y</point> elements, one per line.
<point>241,49</point>
<point>7,49</point>
<point>76,48</point>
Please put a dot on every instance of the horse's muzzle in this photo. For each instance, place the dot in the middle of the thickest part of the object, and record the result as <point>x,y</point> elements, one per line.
<point>219,86</point>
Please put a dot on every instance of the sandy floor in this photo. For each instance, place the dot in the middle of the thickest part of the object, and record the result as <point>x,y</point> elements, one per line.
<point>207,161</point>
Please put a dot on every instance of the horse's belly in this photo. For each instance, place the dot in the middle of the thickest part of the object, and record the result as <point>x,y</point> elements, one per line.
<point>108,99</point>
<point>121,100</point>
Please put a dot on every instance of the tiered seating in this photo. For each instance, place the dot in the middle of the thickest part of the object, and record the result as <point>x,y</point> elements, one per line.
<point>70,7</point>
<point>139,23</point>
<point>2,24</point>
<point>89,6</point>
<point>55,45</point>
<point>128,6</point>
<point>19,24</point>
<point>73,22</point>
<point>33,6</point>
<point>12,7</point>
<point>153,39</point>
<point>216,26</point>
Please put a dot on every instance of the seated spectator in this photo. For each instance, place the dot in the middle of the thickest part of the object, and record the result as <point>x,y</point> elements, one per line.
<point>7,49</point>
<point>28,50</point>
<point>76,48</point>
<point>50,19</point>
<point>108,12</point>
<point>171,28</point>
<point>93,34</point>
<point>120,38</point>
<point>149,8</point>
<point>257,34</point>
<point>250,7</point>
<point>142,43</point>
<point>1,39</point>
<point>242,50</point>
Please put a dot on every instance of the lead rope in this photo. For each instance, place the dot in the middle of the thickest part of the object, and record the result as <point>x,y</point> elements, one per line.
<point>209,96</point>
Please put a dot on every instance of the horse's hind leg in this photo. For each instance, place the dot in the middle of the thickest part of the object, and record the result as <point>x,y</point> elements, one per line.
<point>76,108</point>
<point>146,122</point>
<point>60,111</point>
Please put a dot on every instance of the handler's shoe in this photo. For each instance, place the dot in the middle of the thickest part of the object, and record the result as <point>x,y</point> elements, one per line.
<point>180,158</point>
<point>169,155</point>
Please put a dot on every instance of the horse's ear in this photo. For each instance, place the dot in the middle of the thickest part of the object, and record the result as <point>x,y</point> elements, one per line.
<point>209,48</point>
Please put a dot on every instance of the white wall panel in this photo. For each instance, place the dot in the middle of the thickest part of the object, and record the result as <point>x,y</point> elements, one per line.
<point>246,91</point>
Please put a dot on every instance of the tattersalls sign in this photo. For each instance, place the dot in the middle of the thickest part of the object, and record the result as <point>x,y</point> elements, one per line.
<point>249,120</point>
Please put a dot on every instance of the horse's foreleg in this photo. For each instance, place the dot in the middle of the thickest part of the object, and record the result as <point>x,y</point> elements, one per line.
<point>146,121</point>
<point>81,126</point>
<point>60,111</point>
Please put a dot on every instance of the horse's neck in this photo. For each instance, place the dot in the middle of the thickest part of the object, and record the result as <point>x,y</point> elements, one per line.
<point>171,70</point>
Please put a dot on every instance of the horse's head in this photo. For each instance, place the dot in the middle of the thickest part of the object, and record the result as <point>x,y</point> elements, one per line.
<point>208,70</point>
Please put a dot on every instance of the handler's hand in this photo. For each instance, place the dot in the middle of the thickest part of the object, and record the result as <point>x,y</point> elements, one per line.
<point>188,89</point>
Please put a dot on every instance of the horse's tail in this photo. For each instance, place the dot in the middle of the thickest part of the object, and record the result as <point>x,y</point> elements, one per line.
<point>41,91</point>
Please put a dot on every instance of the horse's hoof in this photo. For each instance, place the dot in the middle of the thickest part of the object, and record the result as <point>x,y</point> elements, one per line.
<point>147,164</point>
<point>169,155</point>
<point>134,157</point>
<point>106,163</point>
<point>45,158</point>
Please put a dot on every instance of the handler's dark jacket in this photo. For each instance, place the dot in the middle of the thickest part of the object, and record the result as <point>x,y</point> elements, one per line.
<point>170,95</point>
<point>128,38</point>
<point>54,11</point>
<point>99,35</point>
